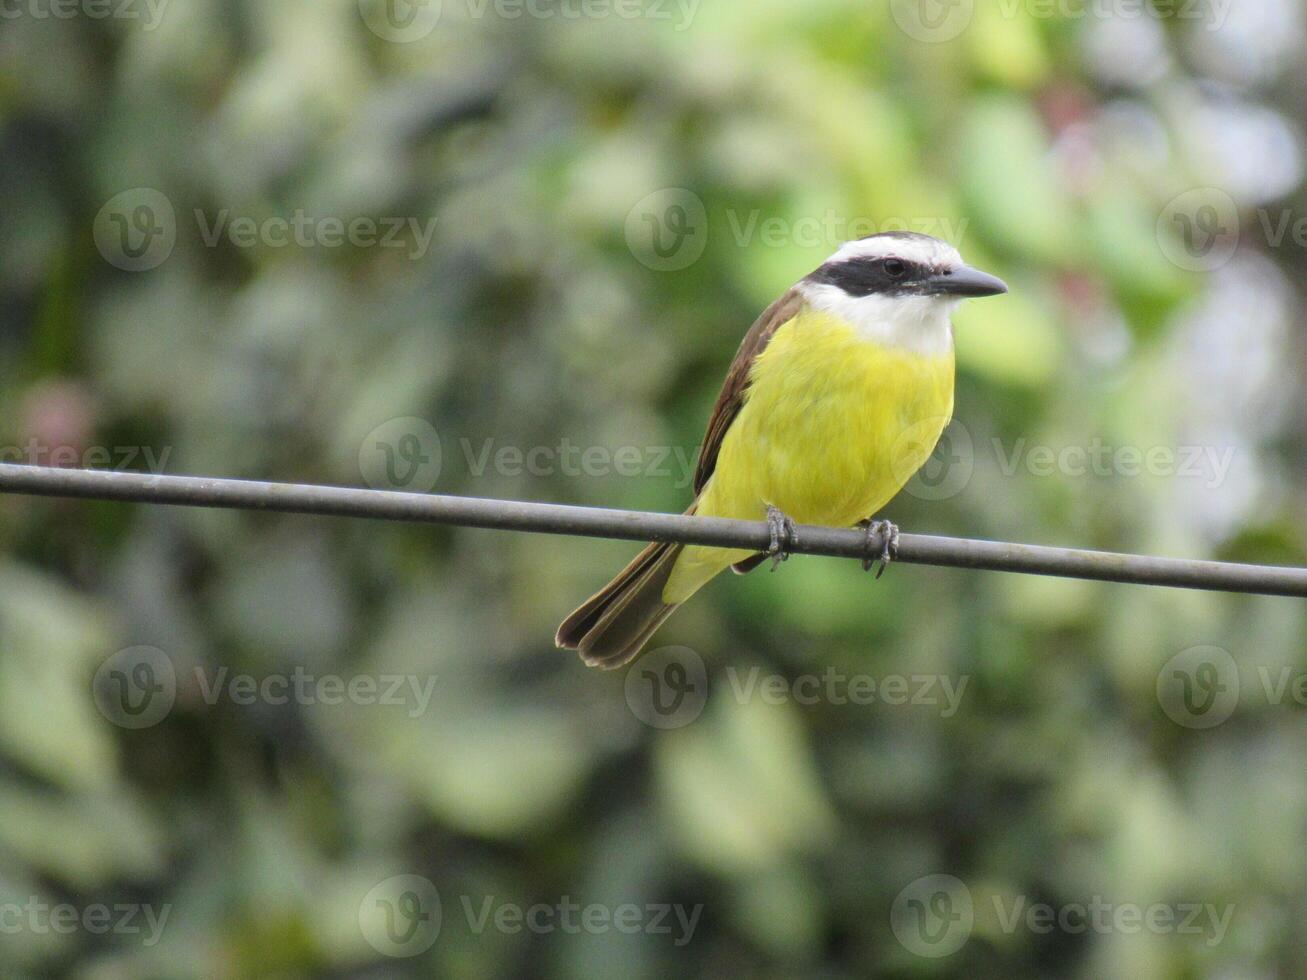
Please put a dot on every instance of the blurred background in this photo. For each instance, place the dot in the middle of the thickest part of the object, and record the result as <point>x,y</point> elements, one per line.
<point>507,248</point>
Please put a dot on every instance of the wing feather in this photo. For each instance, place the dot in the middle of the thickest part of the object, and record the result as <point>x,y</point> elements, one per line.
<point>736,386</point>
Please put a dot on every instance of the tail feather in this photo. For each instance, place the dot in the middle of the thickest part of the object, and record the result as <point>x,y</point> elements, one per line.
<point>610,629</point>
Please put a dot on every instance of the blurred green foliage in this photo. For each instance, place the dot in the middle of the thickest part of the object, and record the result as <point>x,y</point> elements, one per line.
<point>1048,146</point>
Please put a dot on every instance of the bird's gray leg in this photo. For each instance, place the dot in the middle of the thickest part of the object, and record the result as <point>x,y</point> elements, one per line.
<point>784,536</point>
<point>882,545</point>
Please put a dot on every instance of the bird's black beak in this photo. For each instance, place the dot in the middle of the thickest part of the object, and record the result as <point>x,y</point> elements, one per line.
<point>965,282</point>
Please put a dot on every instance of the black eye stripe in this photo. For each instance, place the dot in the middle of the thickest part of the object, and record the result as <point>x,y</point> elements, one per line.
<point>865,276</point>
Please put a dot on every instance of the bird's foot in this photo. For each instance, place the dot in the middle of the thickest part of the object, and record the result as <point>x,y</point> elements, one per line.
<point>784,536</point>
<point>882,545</point>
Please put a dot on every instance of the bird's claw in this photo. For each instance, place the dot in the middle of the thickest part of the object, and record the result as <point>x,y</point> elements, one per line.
<point>784,536</point>
<point>882,546</point>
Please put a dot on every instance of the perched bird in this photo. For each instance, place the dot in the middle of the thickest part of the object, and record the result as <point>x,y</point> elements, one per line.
<point>837,396</point>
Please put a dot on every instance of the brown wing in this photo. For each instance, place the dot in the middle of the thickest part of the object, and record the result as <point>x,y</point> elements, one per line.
<point>731,400</point>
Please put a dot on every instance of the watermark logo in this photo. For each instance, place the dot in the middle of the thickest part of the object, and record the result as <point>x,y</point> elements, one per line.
<point>402,454</point>
<point>916,445</point>
<point>932,465</point>
<point>667,688</point>
<point>933,916</point>
<point>401,916</point>
<point>1199,230</point>
<point>933,21</point>
<point>950,463</point>
<point>950,460</point>
<point>668,230</point>
<point>136,688</point>
<point>401,21</point>
<point>136,230</point>
<point>1199,687</point>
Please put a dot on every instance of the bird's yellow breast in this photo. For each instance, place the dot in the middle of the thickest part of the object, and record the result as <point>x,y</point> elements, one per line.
<point>833,425</point>
<point>832,428</point>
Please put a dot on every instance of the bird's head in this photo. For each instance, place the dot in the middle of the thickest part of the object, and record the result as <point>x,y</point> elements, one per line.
<point>898,288</point>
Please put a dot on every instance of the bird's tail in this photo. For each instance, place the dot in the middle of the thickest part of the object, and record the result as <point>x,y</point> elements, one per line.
<point>612,626</point>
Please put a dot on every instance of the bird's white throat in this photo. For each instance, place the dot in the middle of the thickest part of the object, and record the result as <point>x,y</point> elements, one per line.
<point>920,324</point>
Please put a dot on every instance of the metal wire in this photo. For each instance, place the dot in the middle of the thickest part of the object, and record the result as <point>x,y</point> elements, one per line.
<point>507,515</point>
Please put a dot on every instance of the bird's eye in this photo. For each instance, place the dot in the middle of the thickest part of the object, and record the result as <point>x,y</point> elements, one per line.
<point>896,268</point>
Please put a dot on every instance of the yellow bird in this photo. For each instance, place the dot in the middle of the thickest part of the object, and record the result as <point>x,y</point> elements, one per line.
<point>837,396</point>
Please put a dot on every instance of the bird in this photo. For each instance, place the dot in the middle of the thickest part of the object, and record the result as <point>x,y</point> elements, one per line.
<point>838,394</point>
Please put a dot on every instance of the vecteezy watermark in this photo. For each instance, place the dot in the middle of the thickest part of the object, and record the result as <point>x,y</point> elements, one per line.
<point>1277,684</point>
<point>38,917</point>
<point>1211,14</point>
<point>668,688</point>
<point>303,230</point>
<point>950,463</point>
<point>1199,687</point>
<point>408,454</point>
<point>137,231</point>
<point>150,12</point>
<point>566,458</point>
<point>668,230</point>
<point>408,691</point>
<point>1201,229</point>
<point>137,688</point>
<point>1209,464</point>
<point>1284,226</point>
<point>405,21</point>
<point>402,916</point>
<point>832,229</point>
<point>1198,231</point>
<point>940,21</point>
<point>935,915</point>
<point>836,687</point>
<point>933,21</point>
<point>401,21</point>
<point>402,454</point>
<point>566,915</point>
<point>116,458</point>
<point>1126,918</point>
<point>1209,231</point>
